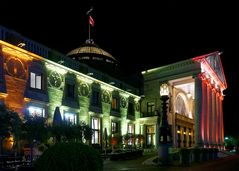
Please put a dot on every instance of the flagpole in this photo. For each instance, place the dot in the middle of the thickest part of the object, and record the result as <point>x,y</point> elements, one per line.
<point>88,13</point>
<point>89,26</point>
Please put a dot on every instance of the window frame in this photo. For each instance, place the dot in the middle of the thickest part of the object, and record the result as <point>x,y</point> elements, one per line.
<point>69,122</point>
<point>150,108</point>
<point>43,113</point>
<point>96,131</point>
<point>35,78</point>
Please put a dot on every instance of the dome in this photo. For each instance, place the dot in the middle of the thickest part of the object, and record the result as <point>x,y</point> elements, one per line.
<point>90,49</point>
<point>95,57</point>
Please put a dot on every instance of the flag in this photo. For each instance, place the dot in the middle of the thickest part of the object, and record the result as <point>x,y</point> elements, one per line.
<point>91,21</point>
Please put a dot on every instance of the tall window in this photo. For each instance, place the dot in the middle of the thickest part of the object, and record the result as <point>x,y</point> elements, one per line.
<point>150,135</point>
<point>95,124</point>
<point>115,103</point>
<point>131,134</point>
<point>95,98</point>
<point>131,108</point>
<point>150,108</point>
<point>180,106</point>
<point>114,127</point>
<point>70,118</point>
<point>70,90</point>
<point>36,80</point>
<point>36,111</point>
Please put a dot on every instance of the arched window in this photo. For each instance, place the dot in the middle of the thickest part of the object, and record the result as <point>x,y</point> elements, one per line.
<point>180,106</point>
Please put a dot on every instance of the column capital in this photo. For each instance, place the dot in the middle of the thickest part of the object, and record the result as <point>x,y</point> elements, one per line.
<point>201,76</point>
<point>208,82</point>
<point>214,89</point>
<point>218,93</point>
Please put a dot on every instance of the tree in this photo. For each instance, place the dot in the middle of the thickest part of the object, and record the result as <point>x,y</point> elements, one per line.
<point>71,133</point>
<point>230,143</point>
<point>10,124</point>
<point>86,131</point>
<point>35,128</point>
<point>73,156</point>
<point>56,132</point>
<point>34,131</point>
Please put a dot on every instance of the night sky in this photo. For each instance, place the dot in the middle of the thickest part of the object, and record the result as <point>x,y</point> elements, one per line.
<point>140,35</point>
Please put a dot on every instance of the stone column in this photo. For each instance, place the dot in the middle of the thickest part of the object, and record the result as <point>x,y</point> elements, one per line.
<point>210,115</point>
<point>213,121</point>
<point>181,136</point>
<point>198,111</point>
<point>174,126</point>
<point>217,119</point>
<point>204,112</point>
<point>221,122</point>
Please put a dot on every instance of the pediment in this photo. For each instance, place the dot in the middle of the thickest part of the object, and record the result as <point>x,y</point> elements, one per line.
<point>214,62</point>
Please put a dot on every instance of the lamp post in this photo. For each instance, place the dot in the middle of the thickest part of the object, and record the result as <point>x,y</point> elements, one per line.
<point>164,130</point>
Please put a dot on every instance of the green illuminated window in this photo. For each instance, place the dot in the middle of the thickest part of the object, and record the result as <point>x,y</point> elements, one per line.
<point>95,125</point>
<point>70,118</point>
<point>131,134</point>
<point>114,127</point>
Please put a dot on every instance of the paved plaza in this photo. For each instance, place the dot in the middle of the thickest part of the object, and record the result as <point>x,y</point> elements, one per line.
<point>225,162</point>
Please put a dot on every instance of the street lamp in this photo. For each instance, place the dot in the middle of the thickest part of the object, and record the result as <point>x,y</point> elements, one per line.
<point>164,130</point>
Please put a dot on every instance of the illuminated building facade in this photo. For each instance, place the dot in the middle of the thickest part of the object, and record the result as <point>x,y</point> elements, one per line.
<point>36,80</point>
<point>195,113</point>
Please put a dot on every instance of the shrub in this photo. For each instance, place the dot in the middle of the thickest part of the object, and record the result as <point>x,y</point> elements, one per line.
<point>197,154</point>
<point>69,157</point>
<point>175,156</point>
<point>205,154</point>
<point>186,154</point>
<point>215,153</point>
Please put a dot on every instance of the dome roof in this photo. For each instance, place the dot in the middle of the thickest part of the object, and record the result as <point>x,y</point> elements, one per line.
<point>95,57</point>
<point>91,49</point>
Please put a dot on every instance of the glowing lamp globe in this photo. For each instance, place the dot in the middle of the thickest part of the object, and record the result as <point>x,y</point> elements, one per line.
<point>164,90</point>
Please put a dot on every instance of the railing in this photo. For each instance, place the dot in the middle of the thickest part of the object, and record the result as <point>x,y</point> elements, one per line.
<point>184,118</point>
<point>9,162</point>
<point>147,114</point>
